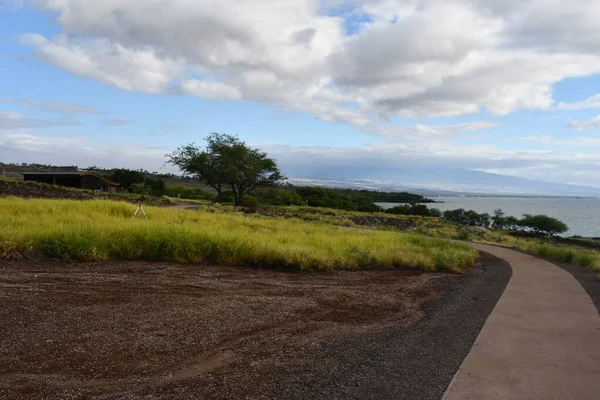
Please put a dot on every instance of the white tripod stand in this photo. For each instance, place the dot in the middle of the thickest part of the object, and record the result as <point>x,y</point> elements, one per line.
<point>140,212</point>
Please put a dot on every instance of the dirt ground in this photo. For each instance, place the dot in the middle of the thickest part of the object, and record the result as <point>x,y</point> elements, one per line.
<point>157,330</point>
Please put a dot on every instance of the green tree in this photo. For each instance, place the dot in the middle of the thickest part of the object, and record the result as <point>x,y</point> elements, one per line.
<point>156,186</point>
<point>227,161</point>
<point>127,178</point>
<point>457,216</point>
<point>543,224</point>
<point>419,209</point>
<point>333,198</point>
<point>470,218</point>
<point>400,210</point>
<point>434,212</point>
<point>498,219</point>
<point>511,223</point>
<point>415,209</point>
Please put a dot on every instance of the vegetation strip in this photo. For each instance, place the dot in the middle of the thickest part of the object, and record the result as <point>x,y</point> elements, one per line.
<point>524,234</point>
<point>105,230</point>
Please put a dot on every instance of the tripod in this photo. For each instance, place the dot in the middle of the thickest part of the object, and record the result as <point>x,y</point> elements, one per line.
<point>140,212</point>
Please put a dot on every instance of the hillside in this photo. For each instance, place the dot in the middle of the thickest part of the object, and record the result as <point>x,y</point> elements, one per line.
<point>34,190</point>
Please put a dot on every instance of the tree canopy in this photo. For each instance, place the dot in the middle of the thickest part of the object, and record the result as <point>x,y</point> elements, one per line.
<point>542,224</point>
<point>539,224</point>
<point>227,162</point>
<point>127,178</point>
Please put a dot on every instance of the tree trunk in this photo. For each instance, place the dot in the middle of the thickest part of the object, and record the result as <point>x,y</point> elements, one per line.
<point>241,194</point>
<point>236,196</point>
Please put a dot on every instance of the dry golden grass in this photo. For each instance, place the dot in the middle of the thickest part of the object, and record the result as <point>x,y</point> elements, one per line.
<point>105,230</point>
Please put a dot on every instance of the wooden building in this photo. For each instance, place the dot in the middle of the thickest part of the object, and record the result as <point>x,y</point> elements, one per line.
<point>74,179</point>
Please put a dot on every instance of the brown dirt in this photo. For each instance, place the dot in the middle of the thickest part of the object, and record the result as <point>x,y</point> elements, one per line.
<point>131,330</point>
<point>35,190</point>
<point>317,213</point>
<point>390,222</point>
<point>21,188</point>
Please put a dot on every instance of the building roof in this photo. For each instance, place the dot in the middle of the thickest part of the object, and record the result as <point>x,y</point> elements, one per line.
<point>72,173</point>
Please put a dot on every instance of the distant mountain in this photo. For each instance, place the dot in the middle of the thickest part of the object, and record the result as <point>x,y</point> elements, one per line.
<point>437,181</point>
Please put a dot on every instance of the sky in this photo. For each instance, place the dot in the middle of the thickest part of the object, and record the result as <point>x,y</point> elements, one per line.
<point>501,86</point>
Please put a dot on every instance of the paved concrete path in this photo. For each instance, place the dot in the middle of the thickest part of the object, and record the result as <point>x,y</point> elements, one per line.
<point>541,341</point>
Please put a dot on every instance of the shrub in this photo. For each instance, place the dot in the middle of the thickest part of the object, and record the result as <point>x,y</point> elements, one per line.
<point>189,193</point>
<point>434,212</point>
<point>414,209</point>
<point>156,186</point>
<point>139,188</point>
<point>399,210</point>
<point>225,197</point>
<point>463,235</point>
<point>250,201</point>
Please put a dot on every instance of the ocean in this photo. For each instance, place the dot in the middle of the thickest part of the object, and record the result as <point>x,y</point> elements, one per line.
<point>582,215</point>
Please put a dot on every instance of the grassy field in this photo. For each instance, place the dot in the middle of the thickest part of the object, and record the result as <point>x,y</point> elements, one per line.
<point>549,248</point>
<point>438,228</point>
<point>105,230</point>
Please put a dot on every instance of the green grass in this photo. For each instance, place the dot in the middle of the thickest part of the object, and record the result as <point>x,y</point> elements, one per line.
<point>438,228</point>
<point>96,230</point>
<point>567,254</point>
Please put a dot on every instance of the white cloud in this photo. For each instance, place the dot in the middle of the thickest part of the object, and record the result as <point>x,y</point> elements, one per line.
<point>65,109</point>
<point>32,39</point>
<point>13,120</point>
<point>394,52</point>
<point>554,25</point>
<point>421,131</point>
<point>77,150</point>
<point>553,141</point>
<point>117,122</point>
<point>131,69</point>
<point>211,90</point>
<point>37,143</point>
<point>62,108</point>
<point>590,102</point>
<point>413,58</point>
<point>582,125</point>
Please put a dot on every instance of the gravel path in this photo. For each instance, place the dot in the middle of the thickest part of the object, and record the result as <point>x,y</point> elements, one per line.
<point>419,363</point>
<point>540,342</point>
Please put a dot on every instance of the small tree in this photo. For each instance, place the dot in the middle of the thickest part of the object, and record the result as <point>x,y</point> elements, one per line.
<point>419,209</point>
<point>544,225</point>
<point>400,210</point>
<point>511,223</point>
<point>484,220</point>
<point>457,216</point>
<point>434,212</point>
<point>227,161</point>
<point>498,219</point>
<point>469,217</point>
